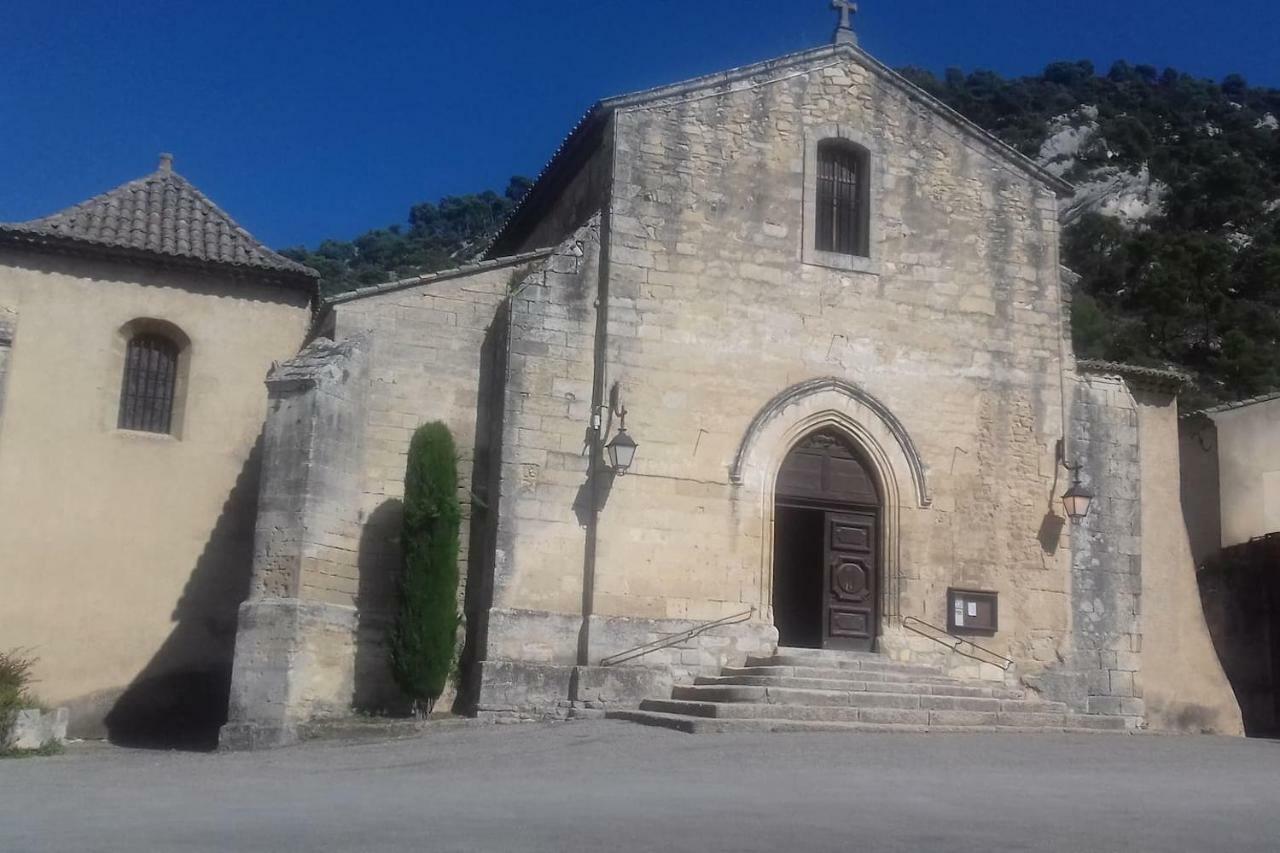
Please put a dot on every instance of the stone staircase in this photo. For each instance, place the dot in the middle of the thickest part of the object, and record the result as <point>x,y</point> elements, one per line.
<point>811,690</point>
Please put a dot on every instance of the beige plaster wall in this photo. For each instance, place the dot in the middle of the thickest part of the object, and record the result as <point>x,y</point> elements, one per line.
<point>125,554</point>
<point>1201,501</point>
<point>1182,681</point>
<point>1249,471</point>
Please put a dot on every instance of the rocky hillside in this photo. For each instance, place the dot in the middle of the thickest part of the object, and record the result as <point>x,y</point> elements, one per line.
<point>1175,227</point>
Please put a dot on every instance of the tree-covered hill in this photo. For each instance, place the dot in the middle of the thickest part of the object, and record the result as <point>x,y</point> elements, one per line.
<point>1175,229</point>
<point>440,235</point>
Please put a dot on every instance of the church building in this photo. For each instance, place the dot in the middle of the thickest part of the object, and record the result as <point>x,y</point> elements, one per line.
<point>832,314</point>
<point>768,417</point>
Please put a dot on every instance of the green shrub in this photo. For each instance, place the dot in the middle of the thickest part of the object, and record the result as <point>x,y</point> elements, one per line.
<point>15,683</point>
<point>425,631</point>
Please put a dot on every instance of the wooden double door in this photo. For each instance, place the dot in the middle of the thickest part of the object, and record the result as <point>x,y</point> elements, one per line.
<point>827,567</point>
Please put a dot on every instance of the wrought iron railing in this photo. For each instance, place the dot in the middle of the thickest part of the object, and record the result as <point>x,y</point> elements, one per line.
<point>957,644</point>
<point>676,639</point>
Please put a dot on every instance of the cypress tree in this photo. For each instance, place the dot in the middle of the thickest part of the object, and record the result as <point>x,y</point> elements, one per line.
<point>423,638</point>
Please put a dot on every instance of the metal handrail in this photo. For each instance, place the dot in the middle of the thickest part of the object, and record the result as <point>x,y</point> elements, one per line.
<point>676,639</point>
<point>1004,664</point>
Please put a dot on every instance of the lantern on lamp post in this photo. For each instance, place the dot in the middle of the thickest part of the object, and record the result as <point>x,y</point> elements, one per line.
<point>1078,499</point>
<point>622,449</point>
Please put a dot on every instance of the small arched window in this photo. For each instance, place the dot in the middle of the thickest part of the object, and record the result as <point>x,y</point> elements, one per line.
<point>150,380</point>
<point>843,217</point>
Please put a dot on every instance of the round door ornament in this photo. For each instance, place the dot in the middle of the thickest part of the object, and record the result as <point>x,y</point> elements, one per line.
<point>850,580</point>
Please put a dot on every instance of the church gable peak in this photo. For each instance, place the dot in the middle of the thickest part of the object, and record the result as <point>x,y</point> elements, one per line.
<point>844,50</point>
<point>587,135</point>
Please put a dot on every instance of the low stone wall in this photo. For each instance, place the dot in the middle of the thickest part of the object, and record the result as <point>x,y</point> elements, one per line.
<point>905,646</point>
<point>523,680</point>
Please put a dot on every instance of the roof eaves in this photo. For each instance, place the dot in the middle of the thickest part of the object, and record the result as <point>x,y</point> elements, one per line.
<point>435,277</point>
<point>575,137</point>
<point>1240,404</point>
<point>292,273</point>
<point>1152,375</point>
<point>58,230</point>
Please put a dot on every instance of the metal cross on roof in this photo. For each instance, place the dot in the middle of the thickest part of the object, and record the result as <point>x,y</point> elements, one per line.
<point>844,30</point>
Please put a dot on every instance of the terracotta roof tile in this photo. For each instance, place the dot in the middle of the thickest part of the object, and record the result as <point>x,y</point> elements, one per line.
<point>161,214</point>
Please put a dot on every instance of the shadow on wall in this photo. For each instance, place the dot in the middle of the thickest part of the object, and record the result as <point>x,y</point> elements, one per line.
<point>179,699</point>
<point>379,566</point>
<point>482,519</point>
<point>1240,591</point>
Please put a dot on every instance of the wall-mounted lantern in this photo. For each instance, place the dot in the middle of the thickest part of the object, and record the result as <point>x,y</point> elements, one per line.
<point>622,450</point>
<point>1077,500</point>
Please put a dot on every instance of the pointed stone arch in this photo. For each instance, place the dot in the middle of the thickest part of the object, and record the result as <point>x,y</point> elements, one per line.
<point>808,406</point>
<point>837,404</point>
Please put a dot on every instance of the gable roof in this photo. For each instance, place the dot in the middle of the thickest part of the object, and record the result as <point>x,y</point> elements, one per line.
<point>160,215</point>
<point>586,132</point>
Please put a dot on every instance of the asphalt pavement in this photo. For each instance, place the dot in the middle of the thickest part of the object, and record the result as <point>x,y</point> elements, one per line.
<point>612,786</point>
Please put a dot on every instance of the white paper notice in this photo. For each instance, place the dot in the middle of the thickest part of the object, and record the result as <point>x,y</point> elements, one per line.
<point>973,609</point>
<point>959,614</point>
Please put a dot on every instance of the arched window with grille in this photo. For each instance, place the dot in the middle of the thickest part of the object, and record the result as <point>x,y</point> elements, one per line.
<point>842,216</point>
<point>150,382</point>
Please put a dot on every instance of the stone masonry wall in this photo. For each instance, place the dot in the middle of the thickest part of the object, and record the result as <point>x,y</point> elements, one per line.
<point>436,349</point>
<point>545,496</point>
<point>1099,670</point>
<point>298,641</point>
<point>712,314</point>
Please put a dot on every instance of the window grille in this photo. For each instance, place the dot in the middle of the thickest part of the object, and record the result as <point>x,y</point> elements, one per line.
<point>150,374</point>
<point>842,201</point>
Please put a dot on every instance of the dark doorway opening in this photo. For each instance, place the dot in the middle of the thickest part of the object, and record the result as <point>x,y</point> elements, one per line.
<point>797,576</point>
<point>826,566</point>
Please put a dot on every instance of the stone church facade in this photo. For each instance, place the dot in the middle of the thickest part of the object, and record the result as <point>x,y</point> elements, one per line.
<point>833,312</point>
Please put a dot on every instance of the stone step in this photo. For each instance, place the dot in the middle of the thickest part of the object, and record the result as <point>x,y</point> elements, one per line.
<point>708,725</point>
<point>977,690</point>
<point>858,699</point>
<point>847,661</point>
<point>848,674</point>
<point>995,714</point>
<point>831,654</point>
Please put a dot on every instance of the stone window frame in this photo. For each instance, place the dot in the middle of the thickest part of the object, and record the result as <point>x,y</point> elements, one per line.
<point>118,365</point>
<point>810,254</point>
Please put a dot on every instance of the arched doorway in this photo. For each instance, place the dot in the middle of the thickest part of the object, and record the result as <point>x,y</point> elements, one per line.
<point>826,562</point>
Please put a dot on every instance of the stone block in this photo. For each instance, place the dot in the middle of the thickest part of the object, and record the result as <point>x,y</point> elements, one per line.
<point>34,728</point>
<point>621,685</point>
<point>521,686</point>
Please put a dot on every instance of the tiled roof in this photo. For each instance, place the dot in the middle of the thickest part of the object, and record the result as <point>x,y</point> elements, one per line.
<point>1156,375</point>
<point>160,214</point>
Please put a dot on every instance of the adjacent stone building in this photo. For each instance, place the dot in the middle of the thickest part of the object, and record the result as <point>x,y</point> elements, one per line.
<point>833,313</point>
<point>135,331</point>
<point>1231,500</point>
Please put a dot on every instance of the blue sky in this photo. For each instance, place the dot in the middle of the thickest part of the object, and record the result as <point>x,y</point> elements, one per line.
<point>313,119</point>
